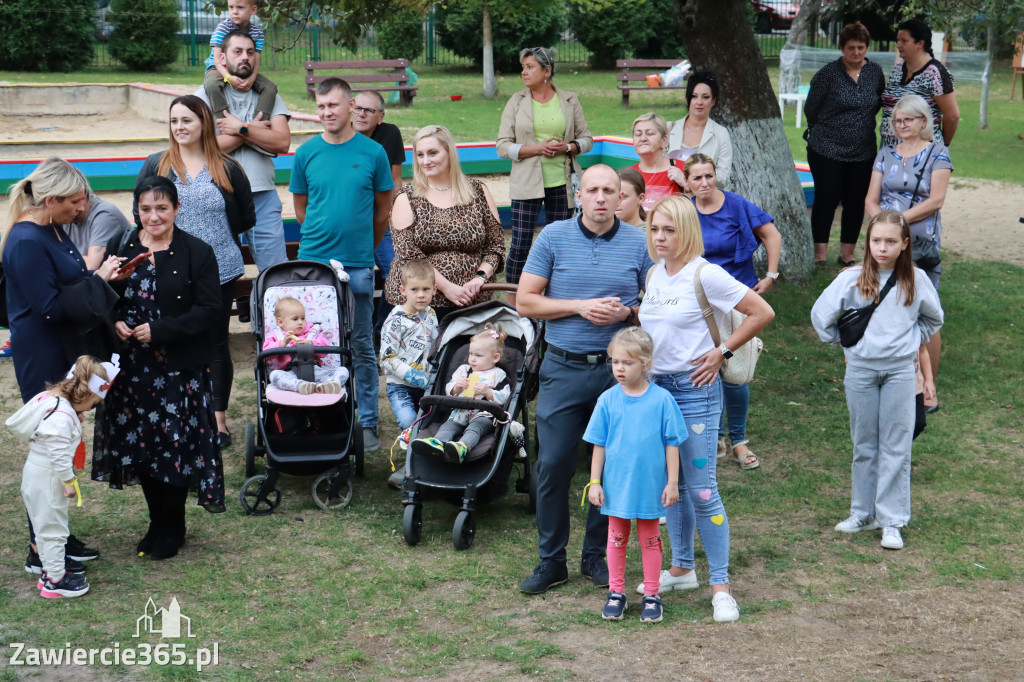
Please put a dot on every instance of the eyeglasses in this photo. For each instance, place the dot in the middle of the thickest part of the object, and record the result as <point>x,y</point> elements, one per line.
<point>901,122</point>
<point>365,111</point>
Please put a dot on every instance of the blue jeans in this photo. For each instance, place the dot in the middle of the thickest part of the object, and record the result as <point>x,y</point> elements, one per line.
<point>363,359</point>
<point>700,505</point>
<point>404,402</point>
<point>569,390</point>
<point>266,237</point>
<point>735,402</point>
<point>383,255</point>
<point>881,404</point>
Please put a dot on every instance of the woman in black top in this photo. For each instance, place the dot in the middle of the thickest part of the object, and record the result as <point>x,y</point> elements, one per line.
<point>844,97</point>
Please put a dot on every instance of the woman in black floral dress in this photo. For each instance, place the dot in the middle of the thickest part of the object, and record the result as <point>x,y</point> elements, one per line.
<point>158,427</point>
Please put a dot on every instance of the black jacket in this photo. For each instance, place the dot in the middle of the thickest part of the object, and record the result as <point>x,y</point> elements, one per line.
<point>187,293</point>
<point>238,205</point>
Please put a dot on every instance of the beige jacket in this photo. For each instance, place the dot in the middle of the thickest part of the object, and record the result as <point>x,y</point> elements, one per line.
<point>715,143</point>
<point>526,180</point>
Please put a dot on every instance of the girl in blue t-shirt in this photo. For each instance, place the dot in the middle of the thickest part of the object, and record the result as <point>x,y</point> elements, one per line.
<point>636,430</point>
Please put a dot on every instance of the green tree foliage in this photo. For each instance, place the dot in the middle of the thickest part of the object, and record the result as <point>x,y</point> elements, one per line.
<point>56,35</point>
<point>628,28</point>
<point>459,31</point>
<point>401,35</point>
<point>145,34</point>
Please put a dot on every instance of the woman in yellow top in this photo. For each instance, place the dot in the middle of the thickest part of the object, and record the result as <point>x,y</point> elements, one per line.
<point>542,131</point>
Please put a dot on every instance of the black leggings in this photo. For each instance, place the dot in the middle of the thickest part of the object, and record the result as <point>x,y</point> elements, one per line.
<point>838,182</point>
<point>166,507</point>
<point>920,418</point>
<point>221,368</point>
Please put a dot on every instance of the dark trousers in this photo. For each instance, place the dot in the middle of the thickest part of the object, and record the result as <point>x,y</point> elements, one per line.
<point>166,509</point>
<point>221,368</point>
<point>838,182</point>
<point>524,224</point>
<point>568,393</point>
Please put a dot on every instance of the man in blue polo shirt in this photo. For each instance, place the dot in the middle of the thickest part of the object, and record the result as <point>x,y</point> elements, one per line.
<point>341,185</point>
<point>584,277</point>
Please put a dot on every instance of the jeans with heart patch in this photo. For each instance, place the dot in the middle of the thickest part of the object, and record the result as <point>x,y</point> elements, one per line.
<point>700,506</point>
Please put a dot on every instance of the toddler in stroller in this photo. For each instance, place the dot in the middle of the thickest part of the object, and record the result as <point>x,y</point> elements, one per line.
<point>290,315</point>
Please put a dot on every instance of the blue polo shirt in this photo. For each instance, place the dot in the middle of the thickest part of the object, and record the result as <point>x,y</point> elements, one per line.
<point>580,264</point>
<point>340,180</point>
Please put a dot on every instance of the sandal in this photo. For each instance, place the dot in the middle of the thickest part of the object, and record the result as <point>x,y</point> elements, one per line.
<point>744,459</point>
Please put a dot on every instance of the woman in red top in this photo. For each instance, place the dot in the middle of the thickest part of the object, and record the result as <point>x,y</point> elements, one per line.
<point>650,140</point>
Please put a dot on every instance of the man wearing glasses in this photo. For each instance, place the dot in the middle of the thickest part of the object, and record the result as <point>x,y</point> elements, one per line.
<point>368,119</point>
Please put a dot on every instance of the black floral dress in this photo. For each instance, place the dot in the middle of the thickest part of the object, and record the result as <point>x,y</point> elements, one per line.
<point>155,422</point>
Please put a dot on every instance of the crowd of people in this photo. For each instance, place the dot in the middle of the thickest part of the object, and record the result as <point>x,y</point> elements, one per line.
<point>648,270</point>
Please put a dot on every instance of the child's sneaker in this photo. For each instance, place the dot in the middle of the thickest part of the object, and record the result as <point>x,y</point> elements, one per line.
<point>651,611</point>
<point>455,451</point>
<point>33,564</point>
<point>330,387</point>
<point>428,446</point>
<point>615,607</point>
<point>76,549</point>
<point>70,585</point>
<point>5,350</point>
<point>855,524</point>
<point>306,387</point>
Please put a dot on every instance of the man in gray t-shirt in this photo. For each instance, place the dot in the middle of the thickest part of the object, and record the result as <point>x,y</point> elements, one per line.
<point>254,142</point>
<point>93,227</point>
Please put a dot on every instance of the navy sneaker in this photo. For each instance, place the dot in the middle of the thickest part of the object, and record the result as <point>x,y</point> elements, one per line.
<point>77,550</point>
<point>71,585</point>
<point>33,564</point>
<point>651,611</point>
<point>545,576</point>
<point>595,568</point>
<point>615,607</point>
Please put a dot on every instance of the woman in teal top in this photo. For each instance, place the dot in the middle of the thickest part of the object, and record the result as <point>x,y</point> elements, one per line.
<point>542,131</point>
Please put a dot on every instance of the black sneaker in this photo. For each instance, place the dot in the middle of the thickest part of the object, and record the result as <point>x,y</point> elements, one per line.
<point>595,568</point>
<point>77,550</point>
<point>615,607</point>
<point>71,585</point>
<point>651,611</point>
<point>545,576</point>
<point>33,564</point>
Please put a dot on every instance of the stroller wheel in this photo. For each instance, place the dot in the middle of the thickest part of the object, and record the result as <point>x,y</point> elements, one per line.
<point>250,450</point>
<point>412,524</point>
<point>322,488</point>
<point>255,504</point>
<point>464,530</point>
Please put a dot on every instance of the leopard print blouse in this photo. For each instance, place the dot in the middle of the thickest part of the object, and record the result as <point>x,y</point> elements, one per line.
<point>455,240</point>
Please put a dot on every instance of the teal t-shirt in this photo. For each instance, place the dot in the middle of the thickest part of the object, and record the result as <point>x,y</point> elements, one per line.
<point>340,181</point>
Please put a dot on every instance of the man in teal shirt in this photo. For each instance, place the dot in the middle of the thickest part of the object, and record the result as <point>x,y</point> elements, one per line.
<point>341,186</point>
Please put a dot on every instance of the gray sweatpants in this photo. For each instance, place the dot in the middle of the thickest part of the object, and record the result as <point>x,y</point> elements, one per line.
<point>474,432</point>
<point>881,404</point>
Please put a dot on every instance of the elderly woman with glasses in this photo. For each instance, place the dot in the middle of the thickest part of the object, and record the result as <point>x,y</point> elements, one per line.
<point>911,176</point>
<point>542,131</point>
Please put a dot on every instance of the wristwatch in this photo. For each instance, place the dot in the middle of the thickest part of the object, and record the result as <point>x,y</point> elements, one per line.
<point>244,130</point>
<point>482,275</point>
<point>772,275</point>
<point>726,353</point>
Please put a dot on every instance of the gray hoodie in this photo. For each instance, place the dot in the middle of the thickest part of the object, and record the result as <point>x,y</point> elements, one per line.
<point>52,429</point>
<point>895,332</point>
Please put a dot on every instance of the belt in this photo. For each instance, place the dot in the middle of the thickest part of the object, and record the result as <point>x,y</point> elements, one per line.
<point>595,358</point>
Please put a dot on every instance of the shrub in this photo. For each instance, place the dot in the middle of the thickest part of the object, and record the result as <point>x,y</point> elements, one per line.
<point>401,35</point>
<point>637,28</point>
<point>145,34</point>
<point>460,30</point>
<point>56,35</point>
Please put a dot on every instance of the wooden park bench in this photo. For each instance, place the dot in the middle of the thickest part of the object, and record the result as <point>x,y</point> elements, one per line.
<point>389,72</point>
<point>642,67</point>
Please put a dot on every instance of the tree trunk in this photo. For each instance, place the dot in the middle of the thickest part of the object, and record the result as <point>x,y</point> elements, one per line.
<point>762,169</point>
<point>789,61</point>
<point>489,88</point>
<point>985,78</point>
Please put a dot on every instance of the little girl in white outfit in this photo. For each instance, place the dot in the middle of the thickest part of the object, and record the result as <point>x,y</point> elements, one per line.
<point>295,331</point>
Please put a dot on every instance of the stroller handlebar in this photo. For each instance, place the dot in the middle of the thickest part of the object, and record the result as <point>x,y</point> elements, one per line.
<point>457,402</point>
<point>499,286</point>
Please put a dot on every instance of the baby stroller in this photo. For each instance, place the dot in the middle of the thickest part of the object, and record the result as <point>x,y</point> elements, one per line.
<point>484,475</point>
<point>303,435</point>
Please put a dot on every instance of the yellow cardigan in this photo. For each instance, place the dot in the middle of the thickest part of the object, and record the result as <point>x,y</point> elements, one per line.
<point>526,180</point>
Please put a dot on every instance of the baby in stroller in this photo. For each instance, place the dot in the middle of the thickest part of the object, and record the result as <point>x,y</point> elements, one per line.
<point>290,314</point>
<point>479,378</point>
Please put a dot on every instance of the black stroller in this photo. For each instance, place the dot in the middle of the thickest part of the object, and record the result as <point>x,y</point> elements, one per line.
<point>484,475</point>
<point>303,435</point>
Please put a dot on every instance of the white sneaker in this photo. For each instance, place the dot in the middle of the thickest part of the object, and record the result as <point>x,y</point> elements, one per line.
<point>726,608</point>
<point>856,525</point>
<point>668,582</point>
<point>891,538</point>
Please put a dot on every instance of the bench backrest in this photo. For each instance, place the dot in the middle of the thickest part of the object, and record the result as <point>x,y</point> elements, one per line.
<point>641,67</point>
<point>388,71</point>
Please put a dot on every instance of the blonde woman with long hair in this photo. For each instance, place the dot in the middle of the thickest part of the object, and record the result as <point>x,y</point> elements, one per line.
<point>448,219</point>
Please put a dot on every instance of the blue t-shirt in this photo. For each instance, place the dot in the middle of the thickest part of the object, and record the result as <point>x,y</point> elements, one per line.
<point>227,26</point>
<point>580,264</point>
<point>635,431</point>
<point>729,238</point>
<point>340,181</point>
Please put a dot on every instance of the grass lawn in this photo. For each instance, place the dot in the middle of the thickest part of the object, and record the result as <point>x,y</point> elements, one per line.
<point>992,154</point>
<point>307,594</point>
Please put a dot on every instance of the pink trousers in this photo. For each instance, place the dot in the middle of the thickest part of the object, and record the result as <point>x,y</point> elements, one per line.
<point>649,534</point>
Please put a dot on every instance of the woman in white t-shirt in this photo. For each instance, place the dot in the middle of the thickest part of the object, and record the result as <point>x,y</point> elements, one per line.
<point>686,363</point>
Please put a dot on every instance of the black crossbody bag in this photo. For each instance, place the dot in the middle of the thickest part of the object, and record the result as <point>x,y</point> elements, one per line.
<point>854,321</point>
<point>924,250</point>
